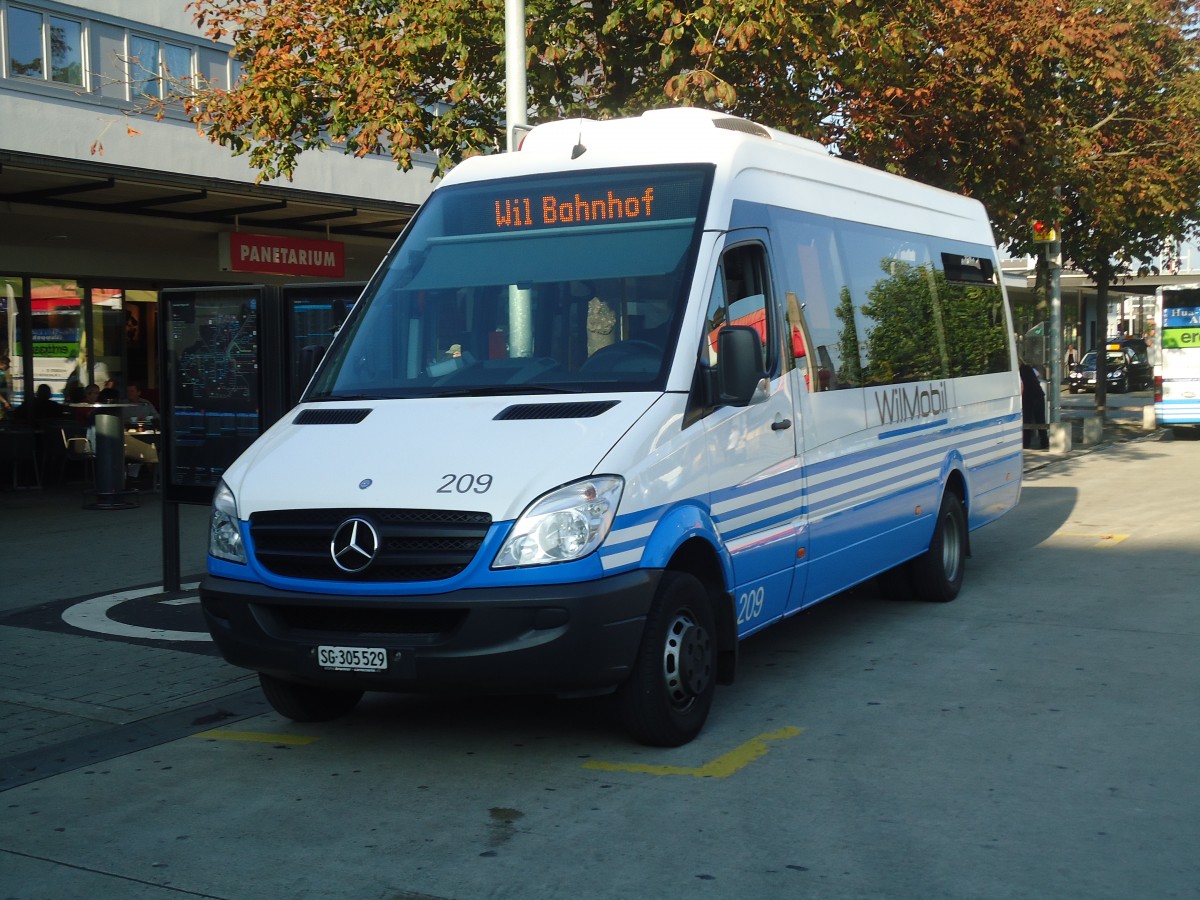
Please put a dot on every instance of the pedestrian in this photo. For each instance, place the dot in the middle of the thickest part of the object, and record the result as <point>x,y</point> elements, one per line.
<point>1033,408</point>
<point>5,387</point>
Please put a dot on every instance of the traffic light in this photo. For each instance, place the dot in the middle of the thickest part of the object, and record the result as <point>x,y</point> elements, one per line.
<point>1044,232</point>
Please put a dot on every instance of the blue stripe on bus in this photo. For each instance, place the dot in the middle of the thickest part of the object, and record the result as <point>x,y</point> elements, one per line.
<point>781,498</point>
<point>937,423</point>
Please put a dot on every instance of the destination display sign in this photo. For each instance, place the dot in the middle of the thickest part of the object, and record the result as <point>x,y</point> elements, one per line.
<point>610,197</point>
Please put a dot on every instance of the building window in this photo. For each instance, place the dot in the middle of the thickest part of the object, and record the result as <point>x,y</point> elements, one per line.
<point>156,71</point>
<point>34,38</point>
<point>143,68</point>
<point>176,66</point>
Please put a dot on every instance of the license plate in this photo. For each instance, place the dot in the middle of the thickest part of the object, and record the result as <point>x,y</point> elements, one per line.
<point>352,659</point>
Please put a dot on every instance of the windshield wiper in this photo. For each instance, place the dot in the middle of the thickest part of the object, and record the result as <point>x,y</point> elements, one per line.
<point>504,390</point>
<point>326,398</point>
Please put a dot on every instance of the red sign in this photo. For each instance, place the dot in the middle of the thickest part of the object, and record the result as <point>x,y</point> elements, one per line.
<point>274,255</point>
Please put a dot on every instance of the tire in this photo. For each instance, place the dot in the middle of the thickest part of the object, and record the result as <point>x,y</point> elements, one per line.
<point>306,702</point>
<point>896,584</point>
<point>1072,389</point>
<point>937,574</point>
<point>666,700</point>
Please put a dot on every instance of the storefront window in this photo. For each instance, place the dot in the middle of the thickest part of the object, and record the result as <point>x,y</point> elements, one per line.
<point>108,335</point>
<point>10,291</point>
<point>141,348</point>
<point>59,343</point>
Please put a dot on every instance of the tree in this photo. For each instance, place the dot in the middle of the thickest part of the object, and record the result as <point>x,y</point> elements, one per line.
<point>404,76</point>
<point>366,75</point>
<point>1133,183</point>
<point>1061,111</point>
<point>1065,111</point>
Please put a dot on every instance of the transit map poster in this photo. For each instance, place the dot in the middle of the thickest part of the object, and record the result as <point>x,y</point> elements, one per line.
<point>212,379</point>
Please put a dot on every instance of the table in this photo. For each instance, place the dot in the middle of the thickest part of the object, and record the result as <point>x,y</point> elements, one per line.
<point>109,448</point>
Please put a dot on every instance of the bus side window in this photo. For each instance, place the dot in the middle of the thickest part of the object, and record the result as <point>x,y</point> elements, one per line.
<point>799,342</point>
<point>811,267</point>
<point>743,274</point>
<point>715,319</point>
<point>745,288</point>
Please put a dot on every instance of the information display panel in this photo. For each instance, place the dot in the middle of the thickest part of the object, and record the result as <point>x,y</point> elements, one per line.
<point>314,313</point>
<point>213,384</point>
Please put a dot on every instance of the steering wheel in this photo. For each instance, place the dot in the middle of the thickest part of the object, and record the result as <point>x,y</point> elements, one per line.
<point>641,357</point>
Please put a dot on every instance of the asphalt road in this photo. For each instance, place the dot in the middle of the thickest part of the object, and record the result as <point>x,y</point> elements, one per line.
<point>1036,738</point>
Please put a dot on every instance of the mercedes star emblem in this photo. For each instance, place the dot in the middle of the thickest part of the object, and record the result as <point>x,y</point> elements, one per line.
<point>354,545</point>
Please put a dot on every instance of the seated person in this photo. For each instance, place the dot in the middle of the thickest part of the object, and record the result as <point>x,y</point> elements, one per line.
<point>89,395</point>
<point>137,451</point>
<point>138,408</point>
<point>41,407</point>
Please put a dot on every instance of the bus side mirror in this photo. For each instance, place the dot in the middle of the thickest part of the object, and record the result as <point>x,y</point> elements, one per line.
<point>740,370</point>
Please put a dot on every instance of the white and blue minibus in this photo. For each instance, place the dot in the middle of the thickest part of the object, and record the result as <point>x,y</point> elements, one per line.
<point>612,404</point>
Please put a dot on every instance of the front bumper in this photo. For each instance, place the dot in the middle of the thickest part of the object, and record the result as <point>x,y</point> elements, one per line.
<point>1088,382</point>
<point>541,639</point>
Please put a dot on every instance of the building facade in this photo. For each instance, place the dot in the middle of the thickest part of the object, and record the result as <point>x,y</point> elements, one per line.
<point>103,204</point>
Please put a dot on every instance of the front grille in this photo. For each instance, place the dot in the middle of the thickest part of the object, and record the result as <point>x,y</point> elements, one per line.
<point>414,544</point>
<point>414,625</point>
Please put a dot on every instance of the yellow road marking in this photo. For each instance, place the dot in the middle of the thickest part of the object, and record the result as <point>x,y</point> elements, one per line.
<point>221,734</point>
<point>1102,540</point>
<point>721,767</point>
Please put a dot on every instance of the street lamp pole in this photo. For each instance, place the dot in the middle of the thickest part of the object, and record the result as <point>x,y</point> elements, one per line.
<point>515,105</point>
<point>1054,364</point>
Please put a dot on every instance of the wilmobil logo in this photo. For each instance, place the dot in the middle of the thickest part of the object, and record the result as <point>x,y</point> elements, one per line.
<point>918,403</point>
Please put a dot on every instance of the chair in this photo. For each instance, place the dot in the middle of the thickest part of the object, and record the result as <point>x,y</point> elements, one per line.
<point>77,448</point>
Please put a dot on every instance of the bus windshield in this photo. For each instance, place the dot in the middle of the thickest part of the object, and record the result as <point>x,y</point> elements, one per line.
<point>568,282</point>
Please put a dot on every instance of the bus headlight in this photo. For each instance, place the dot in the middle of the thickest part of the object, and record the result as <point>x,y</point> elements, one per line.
<point>567,523</point>
<point>224,536</point>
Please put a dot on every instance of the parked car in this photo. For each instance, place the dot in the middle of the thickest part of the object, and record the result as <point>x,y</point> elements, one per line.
<point>1126,372</point>
<point>1143,370</point>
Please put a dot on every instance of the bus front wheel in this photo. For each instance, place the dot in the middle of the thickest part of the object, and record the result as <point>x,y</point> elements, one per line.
<point>307,702</point>
<point>937,574</point>
<point>666,700</point>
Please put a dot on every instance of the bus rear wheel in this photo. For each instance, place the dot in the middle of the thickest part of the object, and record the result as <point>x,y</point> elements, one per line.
<point>666,700</point>
<point>307,702</point>
<point>937,574</point>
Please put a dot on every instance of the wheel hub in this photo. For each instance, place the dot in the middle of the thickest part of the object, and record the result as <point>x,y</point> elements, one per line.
<point>687,660</point>
<point>952,551</point>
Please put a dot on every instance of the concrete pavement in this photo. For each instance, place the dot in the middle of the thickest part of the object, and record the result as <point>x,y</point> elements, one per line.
<point>1029,740</point>
<point>66,690</point>
<point>93,644</point>
<point>99,663</point>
